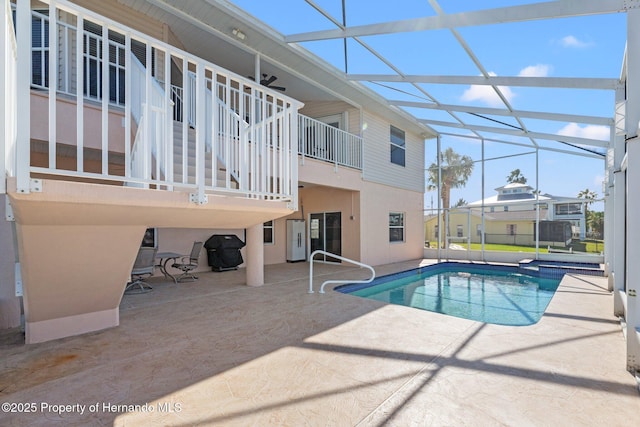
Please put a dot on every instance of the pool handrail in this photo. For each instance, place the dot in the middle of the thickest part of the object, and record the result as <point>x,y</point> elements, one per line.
<point>314,253</point>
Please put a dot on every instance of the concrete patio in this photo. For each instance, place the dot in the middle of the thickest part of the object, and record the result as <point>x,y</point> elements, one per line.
<point>216,352</point>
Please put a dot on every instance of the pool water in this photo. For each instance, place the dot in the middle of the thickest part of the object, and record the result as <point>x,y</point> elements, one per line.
<point>503,296</point>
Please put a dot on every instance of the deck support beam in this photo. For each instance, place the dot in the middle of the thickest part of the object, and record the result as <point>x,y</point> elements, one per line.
<point>255,256</point>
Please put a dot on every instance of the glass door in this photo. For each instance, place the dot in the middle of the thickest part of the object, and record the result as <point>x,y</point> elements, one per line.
<point>326,234</point>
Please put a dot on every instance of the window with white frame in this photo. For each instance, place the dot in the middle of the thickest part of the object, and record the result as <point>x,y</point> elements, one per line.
<point>40,48</point>
<point>92,57</point>
<point>92,64</point>
<point>459,231</point>
<point>512,229</point>
<point>396,227</point>
<point>398,148</point>
<point>268,232</point>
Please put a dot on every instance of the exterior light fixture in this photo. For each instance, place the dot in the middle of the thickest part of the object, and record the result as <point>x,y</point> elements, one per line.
<point>239,34</point>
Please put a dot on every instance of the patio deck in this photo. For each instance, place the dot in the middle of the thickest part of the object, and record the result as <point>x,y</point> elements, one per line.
<point>216,352</point>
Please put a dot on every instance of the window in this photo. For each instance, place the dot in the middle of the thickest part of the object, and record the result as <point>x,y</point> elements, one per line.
<point>92,58</point>
<point>40,48</point>
<point>149,240</point>
<point>397,146</point>
<point>505,208</point>
<point>459,231</point>
<point>492,209</point>
<point>511,229</point>
<point>478,229</point>
<point>268,232</point>
<point>568,209</point>
<point>435,231</point>
<point>93,63</point>
<point>396,227</point>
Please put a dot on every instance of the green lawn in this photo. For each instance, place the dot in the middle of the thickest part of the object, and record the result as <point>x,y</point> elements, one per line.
<point>589,246</point>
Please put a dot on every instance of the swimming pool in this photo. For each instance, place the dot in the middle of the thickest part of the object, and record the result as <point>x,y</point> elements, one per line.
<point>492,294</point>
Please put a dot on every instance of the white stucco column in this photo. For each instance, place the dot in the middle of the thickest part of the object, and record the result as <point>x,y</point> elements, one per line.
<point>633,190</point>
<point>255,256</point>
<point>614,216</point>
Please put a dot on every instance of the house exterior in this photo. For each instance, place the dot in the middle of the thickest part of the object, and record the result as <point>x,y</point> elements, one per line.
<point>122,116</point>
<point>510,217</point>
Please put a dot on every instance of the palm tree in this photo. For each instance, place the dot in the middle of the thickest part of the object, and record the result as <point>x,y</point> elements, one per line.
<point>589,197</point>
<point>455,172</point>
<point>460,202</point>
<point>516,177</point>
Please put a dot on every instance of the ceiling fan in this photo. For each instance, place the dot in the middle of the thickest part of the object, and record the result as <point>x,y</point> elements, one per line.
<point>268,81</point>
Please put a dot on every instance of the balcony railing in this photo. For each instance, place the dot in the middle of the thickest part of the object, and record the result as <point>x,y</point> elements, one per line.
<point>316,139</point>
<point>320,141</point>
<point>245,135</point>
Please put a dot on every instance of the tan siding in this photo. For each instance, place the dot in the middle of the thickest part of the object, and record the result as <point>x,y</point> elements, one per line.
<point>377,164</point>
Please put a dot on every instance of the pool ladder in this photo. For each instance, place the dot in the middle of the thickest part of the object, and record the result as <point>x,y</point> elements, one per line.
<point>314,253</point>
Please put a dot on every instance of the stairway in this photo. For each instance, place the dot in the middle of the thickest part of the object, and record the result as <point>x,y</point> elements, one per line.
<point>189,176</point>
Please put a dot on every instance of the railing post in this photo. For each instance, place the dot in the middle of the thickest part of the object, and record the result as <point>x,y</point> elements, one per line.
<point>200,197</point>
<point>23,84</point>
<point>7,86</point>
<point>336,135</point>
<point>293,147</point>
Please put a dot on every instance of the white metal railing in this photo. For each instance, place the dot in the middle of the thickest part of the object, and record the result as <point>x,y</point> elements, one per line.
<point>149,109</point>
<point>321,141</point>
<point>317,139</point>
<point>253,129</point>
<point>8,105</point>
<point>326,282</point>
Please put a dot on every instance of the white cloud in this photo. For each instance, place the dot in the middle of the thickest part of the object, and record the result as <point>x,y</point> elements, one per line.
<point>538,70</point>
<point>598,180</point>
<point>487,95</point>
<point>573,42</point>
<point>588,131</point>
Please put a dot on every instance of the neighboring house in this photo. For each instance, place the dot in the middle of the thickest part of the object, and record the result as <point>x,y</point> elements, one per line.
<point>124,115</point>
<point>510,218</point>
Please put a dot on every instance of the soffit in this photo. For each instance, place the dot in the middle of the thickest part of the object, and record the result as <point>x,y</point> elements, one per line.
<point>205,29</point>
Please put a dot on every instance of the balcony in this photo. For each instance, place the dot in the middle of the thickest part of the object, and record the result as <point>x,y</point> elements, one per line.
<point>318,140</point>
<point>239,139</point>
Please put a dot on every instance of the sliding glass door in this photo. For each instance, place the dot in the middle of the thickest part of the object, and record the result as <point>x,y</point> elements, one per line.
<point>326,234</point>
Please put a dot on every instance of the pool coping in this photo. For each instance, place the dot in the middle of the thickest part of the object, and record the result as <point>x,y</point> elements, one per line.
<point>539,269</point>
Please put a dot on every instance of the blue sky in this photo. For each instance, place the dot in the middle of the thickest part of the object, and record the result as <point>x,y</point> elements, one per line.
<point>591,46</point>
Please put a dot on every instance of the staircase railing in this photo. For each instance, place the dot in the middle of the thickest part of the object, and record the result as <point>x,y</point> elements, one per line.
<point>149,151</point>
<point>327,282</point>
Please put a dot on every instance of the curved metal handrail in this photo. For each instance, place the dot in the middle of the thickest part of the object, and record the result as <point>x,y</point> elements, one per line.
<point>314,253</point>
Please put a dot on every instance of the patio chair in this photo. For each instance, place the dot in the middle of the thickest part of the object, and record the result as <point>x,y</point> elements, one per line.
<point>142,268</point>
<point>188,263</point>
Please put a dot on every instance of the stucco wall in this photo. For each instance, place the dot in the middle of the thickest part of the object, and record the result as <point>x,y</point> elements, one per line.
<point>319,199</point>
<point>377,202</point>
